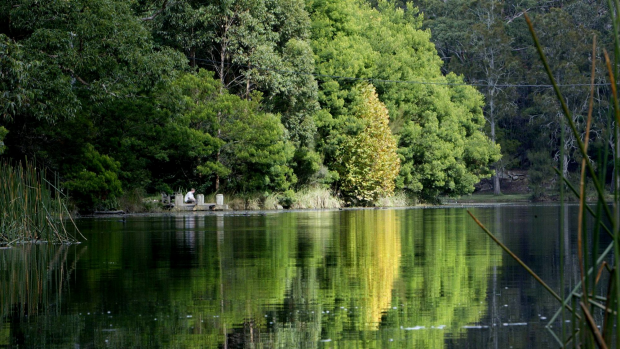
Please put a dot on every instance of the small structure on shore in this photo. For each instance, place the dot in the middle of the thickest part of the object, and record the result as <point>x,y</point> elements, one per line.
<point>175,203</point>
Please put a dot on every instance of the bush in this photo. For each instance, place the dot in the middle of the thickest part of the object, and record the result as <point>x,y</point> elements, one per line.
<point>315,198</point>
<point>399,199</point>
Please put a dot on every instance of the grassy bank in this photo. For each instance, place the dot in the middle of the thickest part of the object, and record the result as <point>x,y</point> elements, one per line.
<point>306,198</point>
<point>489,198</point>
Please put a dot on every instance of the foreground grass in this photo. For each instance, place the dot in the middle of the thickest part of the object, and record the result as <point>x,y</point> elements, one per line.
<point>31,209</point>
<point>490,198</point>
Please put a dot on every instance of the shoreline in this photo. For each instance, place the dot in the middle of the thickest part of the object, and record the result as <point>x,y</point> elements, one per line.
<point>263,212</point>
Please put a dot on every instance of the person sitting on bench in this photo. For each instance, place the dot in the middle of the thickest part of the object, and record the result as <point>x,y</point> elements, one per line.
<point>189,197</point>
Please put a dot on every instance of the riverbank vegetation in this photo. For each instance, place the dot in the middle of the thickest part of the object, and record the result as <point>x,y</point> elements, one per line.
<point>237,97</point>
<point>265,97</point>
<point>30,208</point>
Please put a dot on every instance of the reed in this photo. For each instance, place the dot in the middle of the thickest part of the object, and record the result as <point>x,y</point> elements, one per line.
<point>307,198</point>
<point>398,199</point>
<point>316,198</point>
<point>593,304</point>
<point>31,208</point>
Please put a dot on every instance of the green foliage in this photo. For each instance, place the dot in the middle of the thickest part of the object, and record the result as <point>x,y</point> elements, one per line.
<point>74,64</point>
<point>3,133</point>
<point>85,52</point>
<point>135,201</point>
<point>442,147</point>
<point>488,43</point>
<point>445,152</point>
<point>306,164</point>
<point>93,181</point>
<point>368,161</point>
<point>238,39</point>
<point>540,173</point>
<point>233,139</point>
<point>14,78</point>
<point>109,77</point>
<point>31,209</point>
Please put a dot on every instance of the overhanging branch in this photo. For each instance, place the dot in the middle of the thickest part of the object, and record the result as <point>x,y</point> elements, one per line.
<point>163,7</point>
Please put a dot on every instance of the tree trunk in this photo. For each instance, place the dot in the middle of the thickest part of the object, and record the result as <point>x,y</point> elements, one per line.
<point>217,160</point>
<point>496,187</point>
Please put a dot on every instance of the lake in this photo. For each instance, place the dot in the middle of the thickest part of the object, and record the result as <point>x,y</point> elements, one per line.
<point>377,278</point>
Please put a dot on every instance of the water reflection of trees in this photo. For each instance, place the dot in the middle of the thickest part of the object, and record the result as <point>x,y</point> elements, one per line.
<point>355,278</point>
<point>443,284</point>
<point>33,280</point>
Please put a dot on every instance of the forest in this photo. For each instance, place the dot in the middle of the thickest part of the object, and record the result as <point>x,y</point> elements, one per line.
<point>366,98</point>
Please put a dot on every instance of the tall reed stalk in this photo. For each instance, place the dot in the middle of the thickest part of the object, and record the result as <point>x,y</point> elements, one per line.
<point>594,303</point>
<point>31,208</point>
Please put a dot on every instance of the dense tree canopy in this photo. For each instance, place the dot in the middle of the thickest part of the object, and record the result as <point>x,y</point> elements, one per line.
<point>488,42</point>
<point>231,138</point>
<point>442,147</point>
<point>264,96</point>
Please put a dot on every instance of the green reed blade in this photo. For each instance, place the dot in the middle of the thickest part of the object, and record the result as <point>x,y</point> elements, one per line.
<point>28,210</point>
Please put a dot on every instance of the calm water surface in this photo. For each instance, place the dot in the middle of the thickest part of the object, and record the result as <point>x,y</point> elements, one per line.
<point>414,278</point>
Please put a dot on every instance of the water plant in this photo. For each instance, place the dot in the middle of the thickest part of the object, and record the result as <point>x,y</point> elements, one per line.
<point>592,306</point>
<point>31,208</point>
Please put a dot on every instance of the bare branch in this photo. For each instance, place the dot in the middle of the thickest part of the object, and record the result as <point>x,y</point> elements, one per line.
<point>517,16</point>
<point>163,7</point>
<point>73,75</point>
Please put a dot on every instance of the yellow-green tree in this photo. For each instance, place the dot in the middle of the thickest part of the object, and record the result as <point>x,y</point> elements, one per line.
<point>369,163</point>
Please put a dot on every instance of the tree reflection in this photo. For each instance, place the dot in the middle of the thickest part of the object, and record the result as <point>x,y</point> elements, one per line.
<point>443,284</point>
<point>352,278</point>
